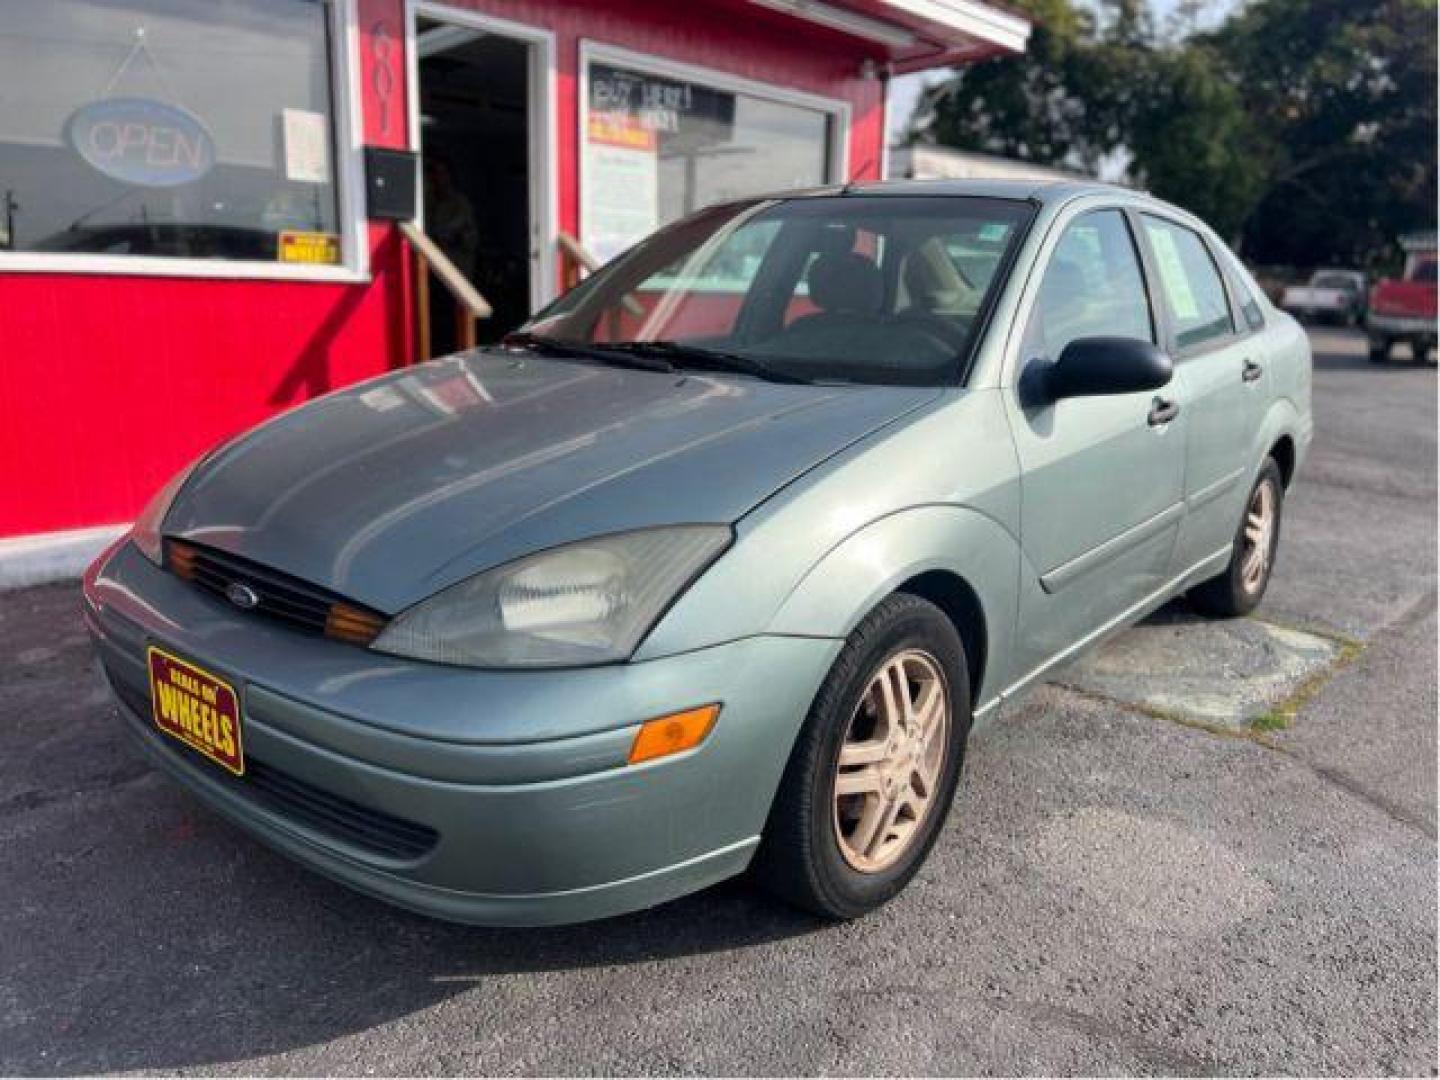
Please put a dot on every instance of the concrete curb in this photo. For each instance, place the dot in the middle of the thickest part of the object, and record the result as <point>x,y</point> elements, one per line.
<point>57,556</point>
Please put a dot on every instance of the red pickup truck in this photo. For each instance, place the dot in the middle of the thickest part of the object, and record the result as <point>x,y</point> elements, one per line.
<point>1404,308</point>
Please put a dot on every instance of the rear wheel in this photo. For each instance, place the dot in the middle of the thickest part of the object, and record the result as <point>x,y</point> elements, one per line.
<point>874,769</point>
<point>1379,350</point>
<point>1238,589</point>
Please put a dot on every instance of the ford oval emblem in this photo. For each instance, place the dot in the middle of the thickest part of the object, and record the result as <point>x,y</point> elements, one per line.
<point>242,595</point>
<point>142,142</point>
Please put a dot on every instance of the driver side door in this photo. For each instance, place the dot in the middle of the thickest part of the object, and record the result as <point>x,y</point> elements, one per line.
<point>1102,478</point>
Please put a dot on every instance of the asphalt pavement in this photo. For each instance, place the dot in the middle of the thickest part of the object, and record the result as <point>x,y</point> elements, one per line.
<point>1121,888</point>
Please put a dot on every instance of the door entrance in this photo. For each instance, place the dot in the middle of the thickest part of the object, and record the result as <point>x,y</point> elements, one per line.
<point>477,163</point>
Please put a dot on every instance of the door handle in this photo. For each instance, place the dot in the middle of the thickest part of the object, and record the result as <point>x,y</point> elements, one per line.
<point>1162,412</point>
<point>1251,371</point>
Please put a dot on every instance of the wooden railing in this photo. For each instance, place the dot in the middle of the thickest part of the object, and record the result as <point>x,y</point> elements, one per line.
<point>577,262</point>
<point>470,306</point>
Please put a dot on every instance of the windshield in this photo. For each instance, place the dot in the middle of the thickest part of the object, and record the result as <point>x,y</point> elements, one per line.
<point>875,289</point>
<point>1334,281</point>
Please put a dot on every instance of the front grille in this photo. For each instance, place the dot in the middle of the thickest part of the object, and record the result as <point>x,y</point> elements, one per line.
<point>361,826</point>
<point>277,595</point>
<point>289,797</point>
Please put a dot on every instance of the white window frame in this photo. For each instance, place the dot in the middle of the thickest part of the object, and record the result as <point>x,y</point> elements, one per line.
<point>542,124</point>
<point>838,153</point>
<point>349,181</point>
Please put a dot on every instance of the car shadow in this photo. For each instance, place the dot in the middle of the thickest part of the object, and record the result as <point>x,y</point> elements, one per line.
<point>1175,612</point>
<point>289,960</point>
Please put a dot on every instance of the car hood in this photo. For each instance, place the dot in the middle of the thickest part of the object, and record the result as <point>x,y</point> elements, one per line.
<point>394,489</point>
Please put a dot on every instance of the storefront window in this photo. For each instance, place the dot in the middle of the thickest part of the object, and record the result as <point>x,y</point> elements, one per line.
<point>185,129</point>
<point>657,148</point>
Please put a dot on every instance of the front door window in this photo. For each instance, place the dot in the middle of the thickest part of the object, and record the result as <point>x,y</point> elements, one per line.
<point>1093,287</point>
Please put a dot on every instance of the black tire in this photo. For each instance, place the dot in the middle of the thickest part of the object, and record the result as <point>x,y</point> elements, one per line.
<point>1225,595</point>
<point>800,857</point>
<point>1379,350</point>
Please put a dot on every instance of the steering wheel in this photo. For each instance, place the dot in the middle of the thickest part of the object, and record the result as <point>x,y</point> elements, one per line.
<point>948,334</point>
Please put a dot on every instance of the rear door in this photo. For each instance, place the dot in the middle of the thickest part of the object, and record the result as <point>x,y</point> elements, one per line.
<point>1221,377</point>
<point>1101,477</point>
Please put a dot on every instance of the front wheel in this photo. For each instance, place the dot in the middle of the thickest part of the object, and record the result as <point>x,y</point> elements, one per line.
<point>874,769</point>
<point>1379,350</point>
<point>1238,589</point>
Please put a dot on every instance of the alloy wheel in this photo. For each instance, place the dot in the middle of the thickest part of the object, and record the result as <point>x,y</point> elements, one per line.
<point>891,761</point>
<point>1259,538</point>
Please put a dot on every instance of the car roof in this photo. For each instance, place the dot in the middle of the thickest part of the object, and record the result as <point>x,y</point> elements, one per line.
<point>1037,189</point>
<point>1034,189</point>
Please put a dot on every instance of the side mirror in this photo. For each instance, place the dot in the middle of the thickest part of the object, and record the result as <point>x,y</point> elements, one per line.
<point>1094,366</point>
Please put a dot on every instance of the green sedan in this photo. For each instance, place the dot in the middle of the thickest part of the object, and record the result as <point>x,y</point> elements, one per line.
<point>716,563</point>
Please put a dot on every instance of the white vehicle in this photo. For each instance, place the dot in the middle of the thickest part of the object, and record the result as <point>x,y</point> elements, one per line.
<point>1332,296</point>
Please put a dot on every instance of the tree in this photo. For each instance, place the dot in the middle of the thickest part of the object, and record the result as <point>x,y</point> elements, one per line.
<point>1035,107</point>
<point>1192,141</point>
<point>1304,130</point>
<point>1344,92</point>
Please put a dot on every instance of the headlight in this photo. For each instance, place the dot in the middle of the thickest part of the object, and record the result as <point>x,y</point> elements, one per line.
<point>586,603</point>
<point>146,531</point>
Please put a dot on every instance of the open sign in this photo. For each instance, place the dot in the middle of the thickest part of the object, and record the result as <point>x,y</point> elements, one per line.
<point>142,142</point>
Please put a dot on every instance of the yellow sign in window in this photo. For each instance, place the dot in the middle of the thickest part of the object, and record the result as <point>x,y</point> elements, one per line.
<point>310,247</point>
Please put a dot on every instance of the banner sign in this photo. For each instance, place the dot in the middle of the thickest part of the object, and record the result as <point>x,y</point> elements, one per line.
<point>687,114</point>
<point>142,142</point>
<point>309,247</point>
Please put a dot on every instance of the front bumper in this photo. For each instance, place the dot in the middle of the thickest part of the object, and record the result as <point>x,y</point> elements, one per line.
<point>500,798</point>
<point>1319,311</point>
<point>1399,325</point>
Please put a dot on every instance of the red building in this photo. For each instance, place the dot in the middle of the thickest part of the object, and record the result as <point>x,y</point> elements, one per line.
<point>191,237</point>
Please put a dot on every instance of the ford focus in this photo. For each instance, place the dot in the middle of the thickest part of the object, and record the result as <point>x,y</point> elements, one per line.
<point>716,563</point>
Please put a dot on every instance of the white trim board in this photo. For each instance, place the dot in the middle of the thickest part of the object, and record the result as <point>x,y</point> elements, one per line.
<point>55,556</point>
<point>984,22</point>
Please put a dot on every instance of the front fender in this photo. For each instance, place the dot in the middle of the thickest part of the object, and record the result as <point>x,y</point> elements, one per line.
<point>868,565</point>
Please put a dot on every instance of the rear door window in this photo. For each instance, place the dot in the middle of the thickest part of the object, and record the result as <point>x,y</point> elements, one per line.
<point>1190,285</point>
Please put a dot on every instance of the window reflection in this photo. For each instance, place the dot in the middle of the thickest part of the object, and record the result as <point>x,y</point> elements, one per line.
<point>172,128</point>
<point>657,149</point>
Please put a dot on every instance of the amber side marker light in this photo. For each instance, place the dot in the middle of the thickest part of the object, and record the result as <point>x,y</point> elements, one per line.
<point>666,735</point>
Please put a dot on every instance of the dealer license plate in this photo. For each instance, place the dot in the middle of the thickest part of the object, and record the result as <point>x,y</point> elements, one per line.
<point>197,708</point>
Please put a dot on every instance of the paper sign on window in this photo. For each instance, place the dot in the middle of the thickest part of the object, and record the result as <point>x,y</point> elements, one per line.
<point>307,146</point>
<point>1172,272</point>
<point>621,194</point>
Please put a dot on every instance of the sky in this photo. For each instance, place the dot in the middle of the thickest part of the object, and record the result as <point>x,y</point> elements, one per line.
<point>906,89</point>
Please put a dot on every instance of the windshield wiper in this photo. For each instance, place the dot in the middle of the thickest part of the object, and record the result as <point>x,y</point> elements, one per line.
<point>604,354</point>
<point>695,356</point>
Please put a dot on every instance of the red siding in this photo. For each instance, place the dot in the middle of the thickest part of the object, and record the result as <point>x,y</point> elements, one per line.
<point>110,383</point>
